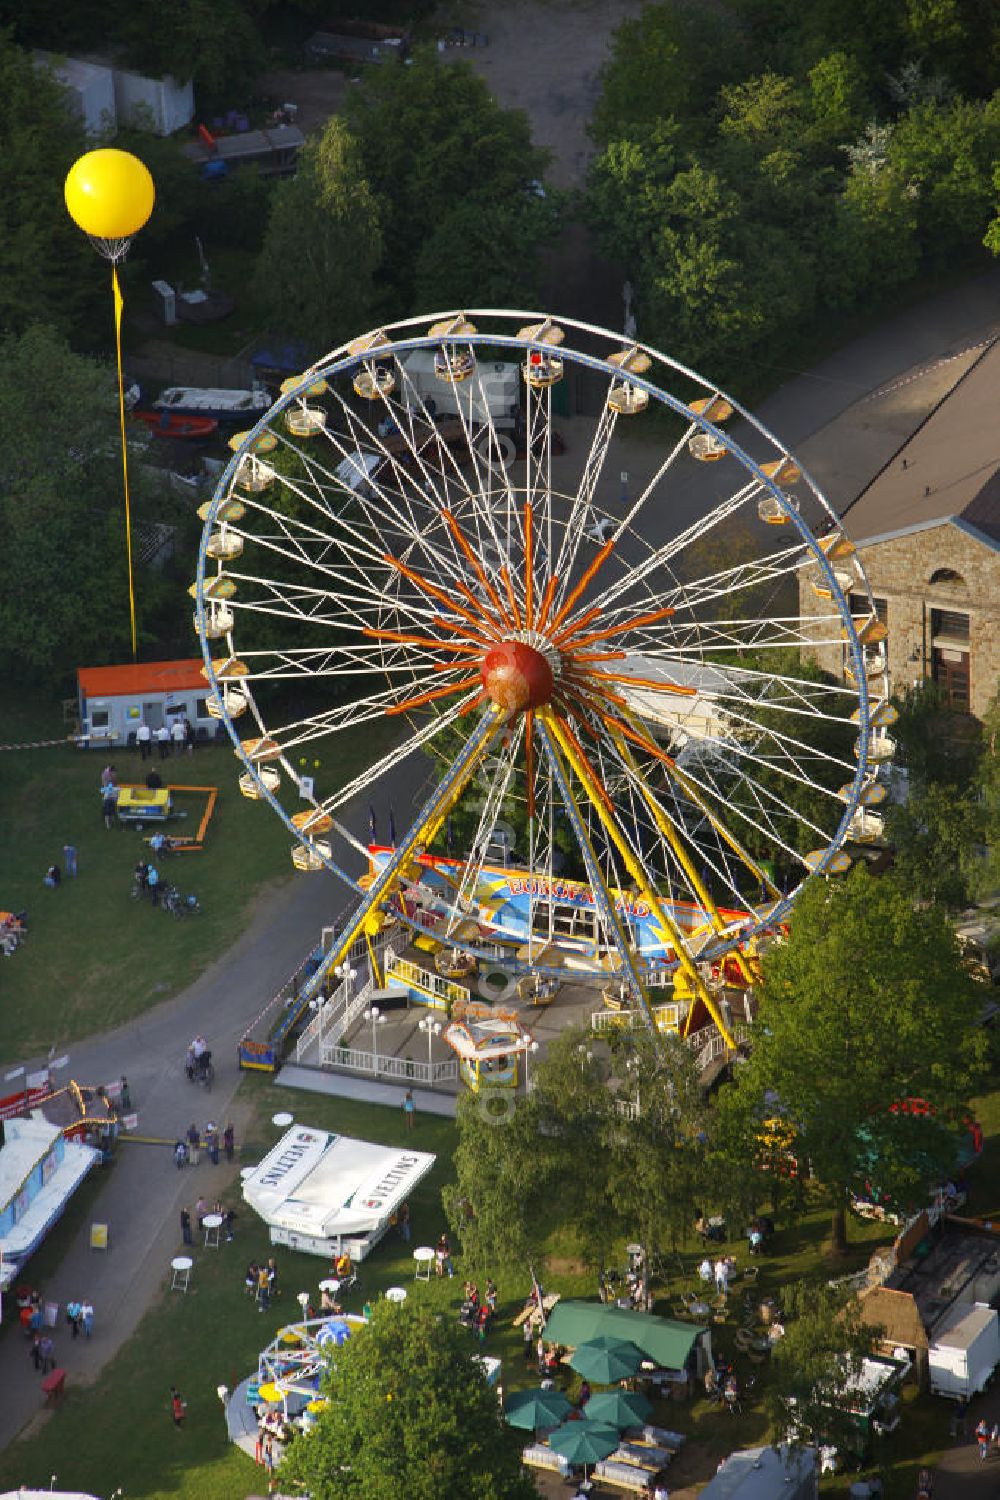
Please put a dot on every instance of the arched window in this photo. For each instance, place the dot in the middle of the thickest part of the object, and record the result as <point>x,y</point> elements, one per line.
<point>949,576</point>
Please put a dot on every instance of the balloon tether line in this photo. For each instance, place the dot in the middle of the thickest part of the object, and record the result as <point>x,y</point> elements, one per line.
<point>119,303</point>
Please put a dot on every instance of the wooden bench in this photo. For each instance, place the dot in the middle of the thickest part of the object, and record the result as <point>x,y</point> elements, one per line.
<point>54,1383</point>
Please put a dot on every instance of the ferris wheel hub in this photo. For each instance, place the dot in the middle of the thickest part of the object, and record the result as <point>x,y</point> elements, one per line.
<point>517,677</point>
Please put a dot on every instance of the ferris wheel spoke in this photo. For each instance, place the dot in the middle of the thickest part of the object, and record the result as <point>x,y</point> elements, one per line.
<point>583,498</point>
<point>384,767</point>
<point>496,790</point>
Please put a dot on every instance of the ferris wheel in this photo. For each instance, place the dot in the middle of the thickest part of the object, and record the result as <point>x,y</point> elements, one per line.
<point>631,655</point>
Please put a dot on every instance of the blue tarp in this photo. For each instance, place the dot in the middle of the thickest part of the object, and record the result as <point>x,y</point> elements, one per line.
<point>289,358</point>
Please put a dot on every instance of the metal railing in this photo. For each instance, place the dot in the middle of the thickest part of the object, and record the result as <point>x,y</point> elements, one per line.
<point>406,972</point>
<point>336,1014</point>
<point>360,1060</point>
<point>668,1018</point>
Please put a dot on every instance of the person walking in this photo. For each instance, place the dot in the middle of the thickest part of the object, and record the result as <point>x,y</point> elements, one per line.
<point>229,1218</point>
<point>409,1108</point>
<point>35,1351</point>
<point>47,1351</point>
<point>983,1439</point>
<point>200,1210</point>
<point>229,1142</point>
<point>263,1289</point>
<point>153,884</point>
<point>186,1234</point>
<point>124,1094</point>
<point>178,735</point>
<point>194,1143</point>
<point>163,740</point>
<point>144,741</point>
<point>212,1142</point>
<point>69,859</point>
<point>178,1406</point>
<point>109,805</point>
<point>403,1221</point>
<point>73,1312</point>
<point>188,735</point>
<point>87,1317</point>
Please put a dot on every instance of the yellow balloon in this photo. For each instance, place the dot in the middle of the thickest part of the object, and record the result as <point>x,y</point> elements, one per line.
<point>109,194</point>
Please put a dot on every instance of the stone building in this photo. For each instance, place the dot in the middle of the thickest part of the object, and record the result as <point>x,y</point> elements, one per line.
<point>927,529</point>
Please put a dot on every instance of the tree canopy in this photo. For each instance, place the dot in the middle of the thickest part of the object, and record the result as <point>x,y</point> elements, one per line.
<point>810,160</point>
<point>633,1111</point>
<point>409,1413</point>
<point>816,1364</point>
<point>63,574</point>
<point>315,276</point>
<point>866,1006</point>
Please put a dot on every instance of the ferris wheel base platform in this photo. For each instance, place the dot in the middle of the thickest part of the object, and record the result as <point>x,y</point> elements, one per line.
<point>366,1090</point>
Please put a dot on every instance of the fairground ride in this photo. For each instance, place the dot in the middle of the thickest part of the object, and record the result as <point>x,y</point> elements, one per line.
<point>625,656</point>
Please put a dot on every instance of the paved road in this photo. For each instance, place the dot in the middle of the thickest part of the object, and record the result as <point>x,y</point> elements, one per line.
<point>141,1197</point>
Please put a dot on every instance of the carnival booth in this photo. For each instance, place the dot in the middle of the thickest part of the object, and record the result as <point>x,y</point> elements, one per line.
<point>487,1047</point>
<point>324,1193</point>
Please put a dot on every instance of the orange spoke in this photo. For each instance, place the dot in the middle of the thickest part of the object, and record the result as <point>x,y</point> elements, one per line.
<point>574,657</point>
<point>581,681</point>
<point>585,619</point>
<point>479,698</point>
<point>434,591</point>
<point>505,575</point>
<point>463,631</point>
<point>476,566</point>
<point>589,573</point>
<point>417,640</point>
<point>442,692</point>
<point>529,564</point>
<point>633,624</point>
<point>596,788</point>
<point>647,682</point>
<point>547,598</point>
<point>615,723</point>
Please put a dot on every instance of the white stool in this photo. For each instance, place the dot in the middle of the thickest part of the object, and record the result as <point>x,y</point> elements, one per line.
<point>396,1294</point>
<point>181,1267</point>
<point>211,1224</point>
<point>424,1258</point>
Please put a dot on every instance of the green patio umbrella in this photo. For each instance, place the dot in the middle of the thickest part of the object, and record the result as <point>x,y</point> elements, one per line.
<point>584,1442</point>
<point>620,1408</point>
<point>536,1409</point>
<point>606,1360</point>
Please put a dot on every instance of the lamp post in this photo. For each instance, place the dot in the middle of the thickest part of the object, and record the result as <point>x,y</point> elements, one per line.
<point>347,976</point>
<point>375,1016</point>
<point>430,1029</point>
<point>529,1051</point>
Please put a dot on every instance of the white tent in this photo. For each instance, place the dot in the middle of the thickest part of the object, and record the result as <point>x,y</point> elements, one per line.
<point>323,1193</point>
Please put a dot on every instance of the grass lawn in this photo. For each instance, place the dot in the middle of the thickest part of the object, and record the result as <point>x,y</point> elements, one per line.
<point>213,1335</point>
<point>94,957</point>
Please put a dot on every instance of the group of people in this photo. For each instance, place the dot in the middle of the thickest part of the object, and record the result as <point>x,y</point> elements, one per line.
<point>189,1147</point>
<point>146,878</point>
<point>721,1272</point>
<point>988,1439</point>
<point>477,1313</point>
<point>201,1213</point>
<point>722,1385</point>
<point>261,1283</point>
<point>180,734</point>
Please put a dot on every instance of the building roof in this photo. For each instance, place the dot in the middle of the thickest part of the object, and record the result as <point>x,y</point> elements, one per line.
<point>764,1474</point>
<point>949,470</point>
<point>662,1340</point>
<point>141,677</point>
<point>896,1314</point>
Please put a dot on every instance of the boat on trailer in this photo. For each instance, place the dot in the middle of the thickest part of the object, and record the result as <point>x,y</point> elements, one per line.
<point>219,404</point>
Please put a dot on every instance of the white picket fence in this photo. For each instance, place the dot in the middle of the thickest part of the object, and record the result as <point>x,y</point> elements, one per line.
<point>359,1060</point>
<point>336,1015</point>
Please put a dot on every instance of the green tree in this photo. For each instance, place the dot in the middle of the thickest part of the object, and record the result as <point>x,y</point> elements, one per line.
<point>865,1004</point>
<point>670,60</point>
<point>838,98</point>
<point>315,276</point>
<point>945,154</point>
<point>431,139</point>
<point>63,576</point>
<point>816,1364</point>
<point>48,272</point>
<point>409,1413</point>
<point>631,1109</point>
<point>937,835</point>
<point>485,254</point>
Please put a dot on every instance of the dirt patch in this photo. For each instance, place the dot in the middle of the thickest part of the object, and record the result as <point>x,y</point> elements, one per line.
<point>317,93</point>
<point>546,60</point>
<point>563,1266</point>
